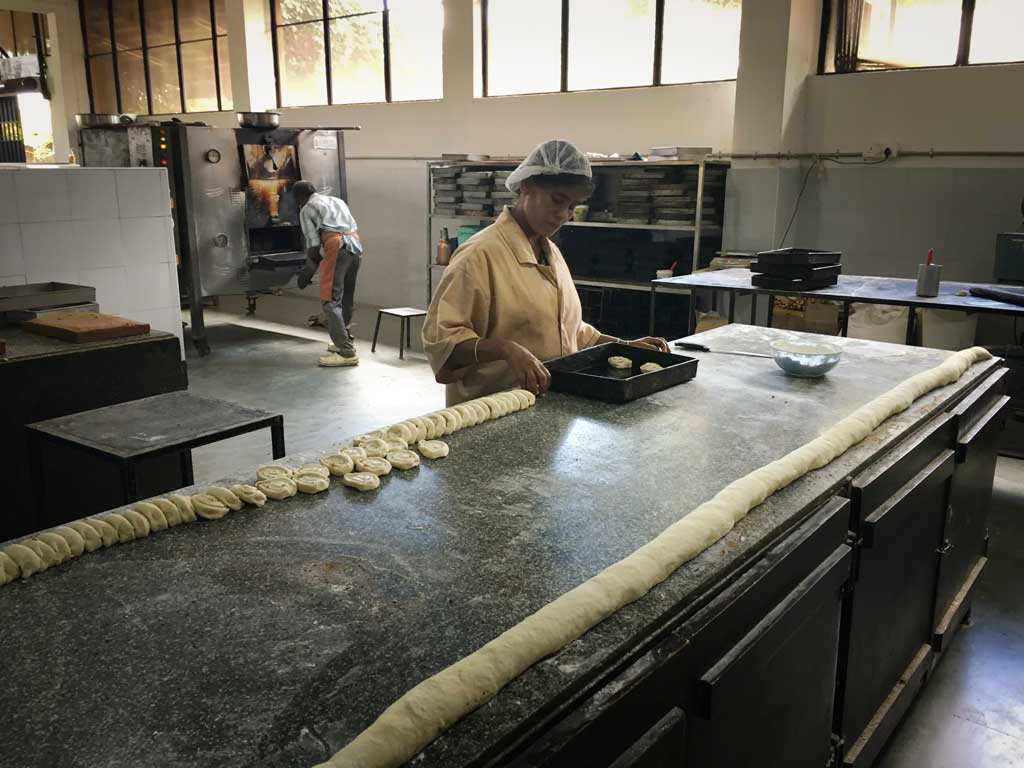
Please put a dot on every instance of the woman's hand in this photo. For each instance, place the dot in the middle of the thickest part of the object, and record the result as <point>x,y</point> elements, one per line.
<point>650,342</point>
<point>530,371</point>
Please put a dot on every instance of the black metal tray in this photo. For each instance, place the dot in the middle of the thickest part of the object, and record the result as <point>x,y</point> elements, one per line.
<point>804,256</point>
<point>587,373</point>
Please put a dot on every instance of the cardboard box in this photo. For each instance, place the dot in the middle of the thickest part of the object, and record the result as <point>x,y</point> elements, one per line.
<point>815,317</point>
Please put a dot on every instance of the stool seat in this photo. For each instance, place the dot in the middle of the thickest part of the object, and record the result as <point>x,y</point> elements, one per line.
<point>405,315</point>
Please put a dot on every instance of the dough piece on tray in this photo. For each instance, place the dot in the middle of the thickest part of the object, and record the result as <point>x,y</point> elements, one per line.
<point>225,497</point>
<point>467,414</point>
<point>353,452</point>
<point>404,459</point>
<point>154,516</point>
<point>421,428</point>
<point>138,522</point>
<point>650,367</point>
<point>108,533</point>
<point>44,552</point>
<point>57,544</point>
<point>312,483</point>
<point>402,430</point>
<point>376,448</point>
<point>375,465</point>
<point>433,449</point>
<point>171,512</point>
<point>396,444</point>
<point>279,488</point>
<point>361,481</point>
<point>125,530</point>
<point>618,361</point>
<point>209,507</point>
<point>338,464</point>
<point>90,536</point>
<point>73,538</point>
<point>374,435</point>
<point>184,505</point>
<point>250,494</point>
<point>272,472</point>
<point>25,558</point>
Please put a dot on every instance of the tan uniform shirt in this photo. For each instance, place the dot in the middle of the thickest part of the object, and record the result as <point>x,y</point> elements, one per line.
<point>495,289</point>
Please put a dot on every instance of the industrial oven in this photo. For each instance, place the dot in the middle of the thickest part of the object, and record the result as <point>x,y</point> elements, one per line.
<point>236,224</point>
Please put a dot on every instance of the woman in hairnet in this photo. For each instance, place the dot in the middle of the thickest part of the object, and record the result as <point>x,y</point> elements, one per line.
<point>507,301</point>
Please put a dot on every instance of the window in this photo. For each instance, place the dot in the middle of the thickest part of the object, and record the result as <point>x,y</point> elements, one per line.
<point>357,51</point>
<point>17,33</point>
<point>897,34</point>
<point>543,46</point>
<point>156,56</point>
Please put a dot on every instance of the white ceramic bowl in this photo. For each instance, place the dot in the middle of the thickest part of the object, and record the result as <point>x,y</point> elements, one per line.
<point>806,359</point>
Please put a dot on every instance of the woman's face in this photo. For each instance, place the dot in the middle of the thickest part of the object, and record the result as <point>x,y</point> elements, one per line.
<point>548,208</point>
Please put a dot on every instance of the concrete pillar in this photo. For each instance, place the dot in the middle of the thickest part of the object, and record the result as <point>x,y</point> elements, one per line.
<point>252,57</point>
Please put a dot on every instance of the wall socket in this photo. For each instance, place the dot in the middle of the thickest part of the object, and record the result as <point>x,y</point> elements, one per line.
<point>878,152</point>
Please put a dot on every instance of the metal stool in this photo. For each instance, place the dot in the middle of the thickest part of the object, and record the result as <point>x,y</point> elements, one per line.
<point>405,315</point>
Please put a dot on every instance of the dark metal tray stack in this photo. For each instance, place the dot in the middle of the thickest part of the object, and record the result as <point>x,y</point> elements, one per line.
<point>588,373</point>
<point>797,269</point>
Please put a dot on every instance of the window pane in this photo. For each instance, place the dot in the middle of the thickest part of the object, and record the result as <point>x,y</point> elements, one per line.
<point>24,33</point>
<point>352,7</point>
<point>200,76</point>
<point>224,63</point>
<point>998,33</point>
<point>357,59</point>
<point>701,41</point>
<point>289,11</point>
<point>7,31</point>
<point>524,46</point>
<point>612,47</point>
<point>416,28</point>
<point>163,78</point>
<point>159,22</point>
<point>194,19</point>
<point>221,13</point>
<point>97,26</point>
<point>300,52</point>
<point>133,82</point>
<point>910,33</point>
<point>101,75</point>
<point>127,28</point>
<point>37,125</point>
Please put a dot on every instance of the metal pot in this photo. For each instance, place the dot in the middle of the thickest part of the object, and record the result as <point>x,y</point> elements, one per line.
<point>95,120</point>
<point>259,119</point>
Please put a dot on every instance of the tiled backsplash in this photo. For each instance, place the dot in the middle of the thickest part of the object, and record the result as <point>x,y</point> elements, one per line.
<point>108,228</point>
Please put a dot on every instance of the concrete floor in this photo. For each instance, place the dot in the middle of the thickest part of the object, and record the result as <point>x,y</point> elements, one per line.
<point>971,714</point>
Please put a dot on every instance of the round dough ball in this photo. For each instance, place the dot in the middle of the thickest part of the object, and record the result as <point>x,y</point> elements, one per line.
<point>153,515</point>
<point>338,464</point>
<point>396,444</point>
<point>362,481</point>
<point>509,400</point>
<point>138,522</point>
<point>171,512</point>
<point>433,449</point>
<point>91,538</point>
<point>617,361</point>
<point>272,472</point>
<point>209,507</point>
<point>375,465</point>
<point>429,428</point>
<point>494,406</point>
<point>73,538</point>
<point>650,368</point>
<point>226,497</point>
<point>375,435</point>
<point>531,398</point>
<point>439,423</point>
<point>404,459</point>
<point>44,552</point>
<point>125,530</point>
<point>312,469</point>
<point>467,414</point>
<point>402,430</point>
<point>184,505</point>
<point>310,483</point>
<point>353,453</point>
<point>453,420</point>
<point>376,448</point>
<point>520,395</point>
<point>108,533</point>
<point>250,494</point>
<point>25,558</point>
<point>483,413</point>
<point>10,568</point>
<point>57,544</point>
<point>279,488</point>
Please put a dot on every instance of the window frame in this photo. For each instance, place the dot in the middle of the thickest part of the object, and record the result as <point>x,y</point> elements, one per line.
<point>963,49</point>
<point>656,81</point>
<point>145,49</point>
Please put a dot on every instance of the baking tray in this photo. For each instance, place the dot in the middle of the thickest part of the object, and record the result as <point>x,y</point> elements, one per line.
<point>804,256</point>
<point>772,282</point>
<point>797,271</point>
<point>588,374</point>
<point>44,296</point>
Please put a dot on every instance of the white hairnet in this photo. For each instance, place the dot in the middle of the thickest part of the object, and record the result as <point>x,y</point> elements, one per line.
<point>549,159</point>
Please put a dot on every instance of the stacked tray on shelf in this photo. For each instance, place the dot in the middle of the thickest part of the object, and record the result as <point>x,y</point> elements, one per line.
<point>477,189</point>
<point>796,269</point>
<point>447,194</point>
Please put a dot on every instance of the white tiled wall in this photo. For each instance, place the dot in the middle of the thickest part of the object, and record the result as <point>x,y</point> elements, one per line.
<point>108,228</point>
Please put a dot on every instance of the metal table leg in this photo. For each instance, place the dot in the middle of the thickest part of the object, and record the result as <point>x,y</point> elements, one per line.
<point>911,323</point>
<point>35,459</point>
<point>732,305</point>
<point>691,313</point>
<point>845,327</point>
<point>187,476</point>
<point>277,437</point>
<point>753,309</point>
<point>129,482</point>
<point>771,309</point>
<point>650,326</point>
<point>401,337</point>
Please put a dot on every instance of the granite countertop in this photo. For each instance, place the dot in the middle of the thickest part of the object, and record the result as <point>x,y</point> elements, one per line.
<point>272,637</point>
<point>23,346</point>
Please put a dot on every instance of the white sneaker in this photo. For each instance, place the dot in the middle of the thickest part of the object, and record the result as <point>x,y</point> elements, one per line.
<point>334,360</point>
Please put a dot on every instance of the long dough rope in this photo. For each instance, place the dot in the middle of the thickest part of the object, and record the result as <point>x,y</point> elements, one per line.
<point>426,711</point>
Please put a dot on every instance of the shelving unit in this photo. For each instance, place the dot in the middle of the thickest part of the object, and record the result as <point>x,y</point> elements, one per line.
<point>690,189</point>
